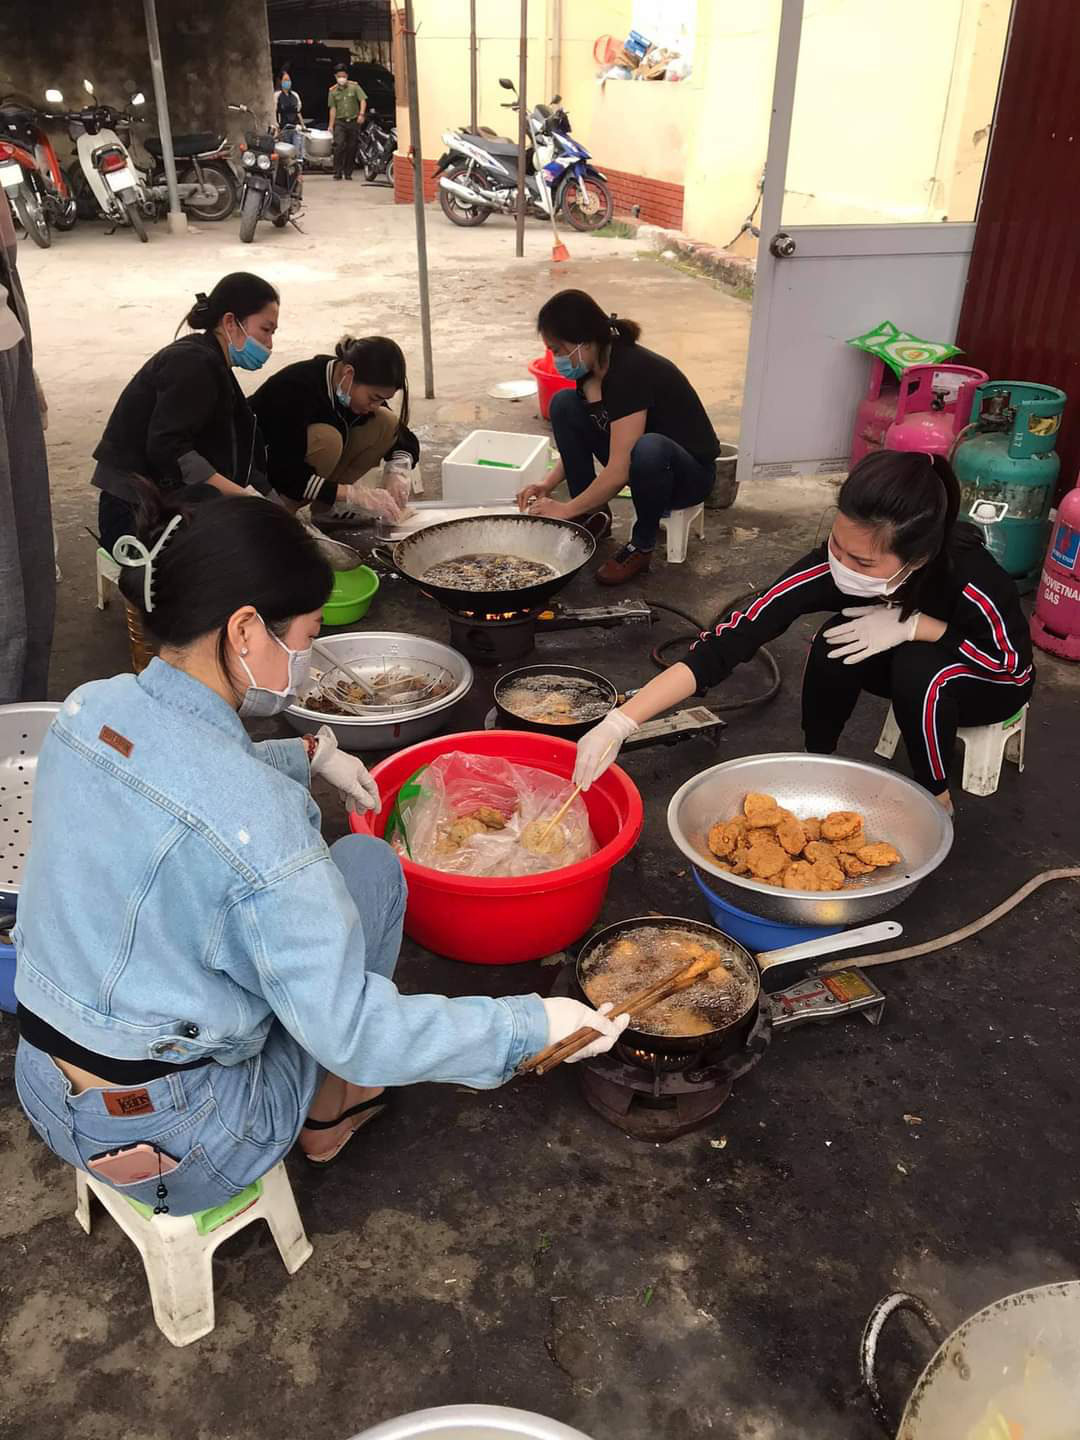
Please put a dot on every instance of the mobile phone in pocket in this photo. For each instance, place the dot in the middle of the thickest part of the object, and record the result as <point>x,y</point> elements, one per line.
<point>131,1163</point>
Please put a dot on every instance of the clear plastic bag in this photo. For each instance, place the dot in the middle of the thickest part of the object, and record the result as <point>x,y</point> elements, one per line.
<point>481,815</point>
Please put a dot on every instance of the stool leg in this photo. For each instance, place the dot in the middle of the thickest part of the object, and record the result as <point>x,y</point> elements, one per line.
<point>82,1201</point>
<point>889,738</point>
<point>179,1271</point>
<point>984,751</point>
<point>1014,746</point>
<point>101,600</point>
<point>280,1212</point>
<point>677,537</point>
<point>701,523</point>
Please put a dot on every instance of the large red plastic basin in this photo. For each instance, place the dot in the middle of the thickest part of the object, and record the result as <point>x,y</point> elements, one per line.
<point>548,381</point>
<point>493,921</point>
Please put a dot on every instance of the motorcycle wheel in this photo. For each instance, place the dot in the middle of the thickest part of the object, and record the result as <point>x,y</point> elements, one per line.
<point>455,210</point>
<point>589,211</point>
<point>135,220</point>
<point>250,210</point>
<point>221,179</point>
<point>32,217</point>
<point>67,210</point>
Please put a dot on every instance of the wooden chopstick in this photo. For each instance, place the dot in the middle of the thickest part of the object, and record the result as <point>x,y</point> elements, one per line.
<point>682,979</point>
<point>565,806</point>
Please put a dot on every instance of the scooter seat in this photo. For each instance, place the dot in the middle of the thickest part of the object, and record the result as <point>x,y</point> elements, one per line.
<point>185,145</point>
<point>496,145</point>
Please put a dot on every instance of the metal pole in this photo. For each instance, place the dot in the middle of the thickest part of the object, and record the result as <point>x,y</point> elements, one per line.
<point>523,75</point>
<point>177,218</point>
<point>418,197</point>
<point>473,117</point>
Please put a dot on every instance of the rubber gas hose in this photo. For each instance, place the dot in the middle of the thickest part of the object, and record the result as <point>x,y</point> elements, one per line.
<point>954,937</point>
<point>767,658</point>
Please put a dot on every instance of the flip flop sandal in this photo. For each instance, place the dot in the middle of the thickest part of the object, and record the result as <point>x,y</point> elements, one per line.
<point>370,1109</point>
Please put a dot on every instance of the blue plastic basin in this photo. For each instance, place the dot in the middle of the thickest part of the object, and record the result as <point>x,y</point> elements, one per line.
<point>753,932</point>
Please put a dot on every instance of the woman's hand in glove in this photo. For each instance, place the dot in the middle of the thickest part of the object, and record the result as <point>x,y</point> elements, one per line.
<point>870,630</point>
<point>598,747</point>
<point>566,1016</point>
<point>397,476</point>
<point>364,500</point>
<point>345,772</point>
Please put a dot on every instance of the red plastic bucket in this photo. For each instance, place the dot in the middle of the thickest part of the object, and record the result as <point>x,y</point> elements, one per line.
<point>495,921</point>
<point>548,381</point>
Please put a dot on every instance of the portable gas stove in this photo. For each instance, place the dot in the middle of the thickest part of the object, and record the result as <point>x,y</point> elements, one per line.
<point>696,722</point>
<point>495,639</point>
<point>657,1097</point>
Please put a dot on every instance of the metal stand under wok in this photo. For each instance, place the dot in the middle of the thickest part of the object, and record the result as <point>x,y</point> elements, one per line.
<point>497,638</point>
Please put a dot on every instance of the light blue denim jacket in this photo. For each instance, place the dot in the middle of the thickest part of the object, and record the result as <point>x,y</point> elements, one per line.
<point>178,896</point>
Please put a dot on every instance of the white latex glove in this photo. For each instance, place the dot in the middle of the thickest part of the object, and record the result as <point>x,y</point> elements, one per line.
<point>871,629</point>
<point>364,500</point>
<point>566,1016</point>
<point>397,476</point>
<point>344,771</point>
<point>599,747</point>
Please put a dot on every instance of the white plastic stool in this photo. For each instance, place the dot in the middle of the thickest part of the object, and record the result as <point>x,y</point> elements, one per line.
<point>107,570</point>
<point>986,747</point>
<point>677,524</point>
<point>177,1252</point>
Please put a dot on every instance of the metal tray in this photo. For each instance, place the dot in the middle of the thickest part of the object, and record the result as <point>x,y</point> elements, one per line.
<point>22,731</point>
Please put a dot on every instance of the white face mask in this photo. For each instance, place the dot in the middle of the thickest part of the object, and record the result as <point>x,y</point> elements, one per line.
<point>260,700</point>
<point>865,587</point>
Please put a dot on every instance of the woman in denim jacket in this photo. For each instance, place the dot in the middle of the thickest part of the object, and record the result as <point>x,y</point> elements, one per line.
<point>197,970</point>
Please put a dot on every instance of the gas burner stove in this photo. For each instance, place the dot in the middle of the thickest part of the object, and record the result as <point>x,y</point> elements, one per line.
<point>493,639</point>
<point>698,722</point>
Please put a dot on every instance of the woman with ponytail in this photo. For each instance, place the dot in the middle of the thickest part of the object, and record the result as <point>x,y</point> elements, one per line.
<point>927,619</point>
<point>631,410</point>
<point>182,421</point>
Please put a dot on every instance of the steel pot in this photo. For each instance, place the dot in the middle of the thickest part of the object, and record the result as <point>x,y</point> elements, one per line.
<point>566,547</point>
<point>508,720</point>
<point>1011,1369</point>
<point>472,1422</point>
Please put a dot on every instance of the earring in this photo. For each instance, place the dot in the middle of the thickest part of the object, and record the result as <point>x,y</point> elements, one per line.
<point>243,649</point>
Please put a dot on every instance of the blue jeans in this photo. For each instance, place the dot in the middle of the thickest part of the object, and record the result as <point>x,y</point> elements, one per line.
<point>226,1124</point>
<point>663,476</point>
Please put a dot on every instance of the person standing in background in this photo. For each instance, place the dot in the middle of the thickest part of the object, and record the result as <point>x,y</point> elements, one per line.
<point>348,109</point>
<point>27,555</point>
<point>288,113</point>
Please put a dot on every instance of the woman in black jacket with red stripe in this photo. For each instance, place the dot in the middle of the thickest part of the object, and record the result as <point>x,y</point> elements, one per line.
<point>928,620</point>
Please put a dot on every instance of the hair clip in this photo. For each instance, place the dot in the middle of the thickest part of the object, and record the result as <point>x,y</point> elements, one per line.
<point>129,550</point>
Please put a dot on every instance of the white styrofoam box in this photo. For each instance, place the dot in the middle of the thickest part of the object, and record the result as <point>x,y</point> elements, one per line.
<point>466,482</point>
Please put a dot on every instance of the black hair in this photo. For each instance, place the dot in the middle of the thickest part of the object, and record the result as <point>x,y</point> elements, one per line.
<point>240,294</point>
<point>913,501</point>
<point>573,316</point>
<point>377,360</point>
<point>226,553</point>
<point>341,66</point>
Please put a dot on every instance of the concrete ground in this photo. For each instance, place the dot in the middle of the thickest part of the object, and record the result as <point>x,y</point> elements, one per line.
<point>508,1246</point>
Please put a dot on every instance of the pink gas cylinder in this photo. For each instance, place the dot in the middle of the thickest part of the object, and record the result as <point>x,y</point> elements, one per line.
<point>1055,625</point>
<point>933,406</point>
<point>876,412</point>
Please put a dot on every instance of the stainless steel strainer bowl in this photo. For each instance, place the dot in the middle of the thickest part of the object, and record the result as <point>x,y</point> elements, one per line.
<point>22,731</point>
<point>896,809</point>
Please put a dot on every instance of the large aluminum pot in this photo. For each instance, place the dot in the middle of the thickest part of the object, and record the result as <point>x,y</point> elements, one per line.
<point>22,732</point>
<point>896,809</point>
<point>388,729</point>
<point>319,144</point>
<point>1013,1369</point>
<point>472,1422</point>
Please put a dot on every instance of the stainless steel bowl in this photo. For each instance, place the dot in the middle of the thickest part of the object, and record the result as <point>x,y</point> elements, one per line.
<point>22,733</point>
<point>896,809</point>
<point>388,729</point>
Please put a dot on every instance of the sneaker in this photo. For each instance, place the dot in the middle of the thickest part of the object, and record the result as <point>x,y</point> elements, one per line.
<point>625,565</point>
<point>598,524</point>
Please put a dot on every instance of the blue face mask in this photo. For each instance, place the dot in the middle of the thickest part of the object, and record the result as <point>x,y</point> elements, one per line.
<point>344,398</point>
<point>252,355</point>
<point>286,84</point>
<point>569,369</point>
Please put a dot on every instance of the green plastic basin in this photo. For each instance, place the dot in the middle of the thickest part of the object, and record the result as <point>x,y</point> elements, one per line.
<point>351,596</point>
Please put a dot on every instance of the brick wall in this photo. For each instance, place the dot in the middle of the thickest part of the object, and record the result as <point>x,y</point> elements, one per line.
<point>403,180</point>
<point>660,202</point>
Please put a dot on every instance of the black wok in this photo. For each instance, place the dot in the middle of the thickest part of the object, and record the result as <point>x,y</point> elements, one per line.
<point>728,1038</point>
<point>566,547</point>
<point>573,730</point>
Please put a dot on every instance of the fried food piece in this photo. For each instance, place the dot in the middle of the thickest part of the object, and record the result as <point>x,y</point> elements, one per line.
<point>791,834</point>
<point>741,858</point>
<point>490,818</point>
<point>812,828</point>
<point>754,802</point>
<point>879,854</point>
<point>766,858</point>
<point>720,975</point>
<point>800,876</point>
<point>540,837</point>
<point>460,833</point>
<point>625,952</point>
<point>725,835</point>
<point>841,824</point>
<point>767,818</point>
<point>828,875</point>
<point>820,850</point>
<point>851,844</point>
<point>851,865</point>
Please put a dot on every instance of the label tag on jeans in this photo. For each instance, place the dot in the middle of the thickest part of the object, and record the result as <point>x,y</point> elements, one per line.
<point>128,1102</point>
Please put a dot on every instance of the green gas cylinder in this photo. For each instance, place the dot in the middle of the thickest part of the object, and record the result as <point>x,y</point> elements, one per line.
<point>1006,456</point>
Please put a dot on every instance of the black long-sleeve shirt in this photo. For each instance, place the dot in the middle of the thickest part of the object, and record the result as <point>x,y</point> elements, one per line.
<point>977,600</point>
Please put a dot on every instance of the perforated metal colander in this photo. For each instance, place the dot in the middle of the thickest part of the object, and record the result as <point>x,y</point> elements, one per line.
<point>22,731</point>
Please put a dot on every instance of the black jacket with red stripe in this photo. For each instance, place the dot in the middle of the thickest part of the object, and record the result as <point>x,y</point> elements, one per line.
<point>976,599</point>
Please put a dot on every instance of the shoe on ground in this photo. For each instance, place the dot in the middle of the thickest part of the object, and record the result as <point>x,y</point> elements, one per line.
<point>624,566</point>
<point>339,177</point>
<point>598,524</point>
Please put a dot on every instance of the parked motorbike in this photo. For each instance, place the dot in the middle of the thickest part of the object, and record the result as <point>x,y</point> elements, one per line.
<point>205,180</point>
<point>375,149</point>
<point>272,184</point>
<point>112,177</point>
<point>31,174</point>
<point>478,172</point>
